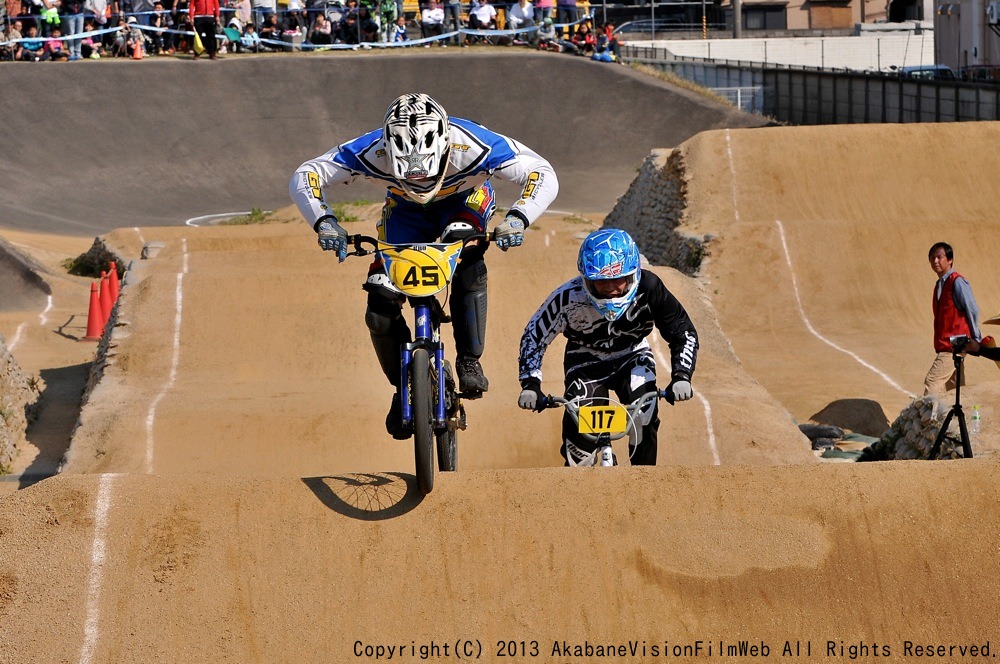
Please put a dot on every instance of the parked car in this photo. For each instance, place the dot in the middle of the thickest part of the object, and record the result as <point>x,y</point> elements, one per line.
<point>928,72</point>
<point>649,25</point>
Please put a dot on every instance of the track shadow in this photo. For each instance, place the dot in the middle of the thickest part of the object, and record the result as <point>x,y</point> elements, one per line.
<point>367,496</point>
<point>59,410</point>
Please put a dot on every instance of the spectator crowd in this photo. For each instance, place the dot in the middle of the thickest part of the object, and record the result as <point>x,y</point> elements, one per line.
<point>57,30</point>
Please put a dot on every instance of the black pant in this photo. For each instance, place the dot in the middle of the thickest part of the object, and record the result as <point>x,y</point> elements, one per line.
<point>205,27</point>
<point>630,377</point>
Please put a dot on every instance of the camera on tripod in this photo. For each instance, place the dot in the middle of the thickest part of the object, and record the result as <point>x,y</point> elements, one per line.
<point>958,342</point>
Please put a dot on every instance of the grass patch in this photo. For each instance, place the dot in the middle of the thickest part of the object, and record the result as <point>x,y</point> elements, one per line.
<point>256,216</point>
<point>352,211</point>
<point>680,82</point>
<point>76,266</point>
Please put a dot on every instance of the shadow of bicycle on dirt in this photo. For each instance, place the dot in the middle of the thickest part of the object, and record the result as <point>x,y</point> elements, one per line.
<point>367,496</point>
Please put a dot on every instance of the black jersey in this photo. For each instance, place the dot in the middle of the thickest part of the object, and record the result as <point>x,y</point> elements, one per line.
<point>569,311</point>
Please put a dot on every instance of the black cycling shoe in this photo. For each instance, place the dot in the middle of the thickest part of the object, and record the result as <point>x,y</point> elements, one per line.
<point>471,381</point>
<point>394,420</point>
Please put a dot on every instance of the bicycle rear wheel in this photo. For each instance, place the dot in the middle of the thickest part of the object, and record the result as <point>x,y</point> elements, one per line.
<point>447,439</point>
<point>447,449</point>
<point>423,426</point>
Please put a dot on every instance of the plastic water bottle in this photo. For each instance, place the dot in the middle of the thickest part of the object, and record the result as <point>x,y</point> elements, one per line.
<point>977,417</point>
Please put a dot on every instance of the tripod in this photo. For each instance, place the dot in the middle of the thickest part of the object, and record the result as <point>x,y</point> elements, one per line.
<point>954,410</point>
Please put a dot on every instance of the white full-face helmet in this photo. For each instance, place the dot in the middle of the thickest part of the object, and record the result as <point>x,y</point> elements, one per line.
<point>416,138</point>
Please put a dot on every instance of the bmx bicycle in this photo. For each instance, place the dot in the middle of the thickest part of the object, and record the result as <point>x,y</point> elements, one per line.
<point>603,420</point>
<point>431,405</point>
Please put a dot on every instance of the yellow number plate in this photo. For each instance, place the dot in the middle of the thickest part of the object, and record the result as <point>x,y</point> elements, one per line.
<point>420,272</point>
<point>603,419</point>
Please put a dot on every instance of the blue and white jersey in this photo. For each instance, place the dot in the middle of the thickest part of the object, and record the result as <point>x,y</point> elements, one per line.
<point>476,155</point>
<point>591,337</point>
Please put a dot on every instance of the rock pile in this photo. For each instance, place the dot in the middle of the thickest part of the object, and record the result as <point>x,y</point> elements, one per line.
<point>912,434</point>
<point>18,406</point>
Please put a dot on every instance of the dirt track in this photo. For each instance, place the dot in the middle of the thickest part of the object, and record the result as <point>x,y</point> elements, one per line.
<point>251,509</point>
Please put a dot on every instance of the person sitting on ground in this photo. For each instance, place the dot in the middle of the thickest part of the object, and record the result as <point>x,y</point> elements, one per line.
<point>134,38</point>
<point>482,17</point>
<point>121,35</point>
<point>584,39</point>
<point>13,35</point>
<point>270,30</point>
<point>321,33</point>
<point>608,41</point>
<point>6,51</point>
<point>399,33</point>
<point>160,21</point>
<point>349,31</point>
<point>432,21</point>
<point>369,28</point>
<point>54,46</point>
<point>250,41</point>
<point>549,39</point>
<point>88,47</point>
<point>521,15</point>
<point>294,23</point>
<point>33,48</point>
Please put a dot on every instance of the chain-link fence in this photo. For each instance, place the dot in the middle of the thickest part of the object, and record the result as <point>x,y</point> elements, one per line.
<point>807,96</point>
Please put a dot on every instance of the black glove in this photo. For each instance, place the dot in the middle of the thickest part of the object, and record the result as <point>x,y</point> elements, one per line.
<point>679,388</point>
<point>531,397</point>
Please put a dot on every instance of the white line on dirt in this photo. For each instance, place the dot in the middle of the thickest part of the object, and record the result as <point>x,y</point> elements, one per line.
<point>42,318</point>
<point>97,556</point>
<point>174,361</point>
<point>209,218</point>
<point>17,337</point>
<point>802,315</point>
<point>662,359</point>
<point>732,175</point>
<point>139,233</point>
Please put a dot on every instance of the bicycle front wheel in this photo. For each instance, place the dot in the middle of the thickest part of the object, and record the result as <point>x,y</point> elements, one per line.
<point>423,425</point>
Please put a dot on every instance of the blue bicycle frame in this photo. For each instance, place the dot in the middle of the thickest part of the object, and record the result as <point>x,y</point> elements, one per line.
<point>426,335</point>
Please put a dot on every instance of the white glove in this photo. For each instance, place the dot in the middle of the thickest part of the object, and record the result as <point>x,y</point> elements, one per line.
<point>529,399</point>
<point>332,237</point>
<point>510,232</point>
<point>681,390</point>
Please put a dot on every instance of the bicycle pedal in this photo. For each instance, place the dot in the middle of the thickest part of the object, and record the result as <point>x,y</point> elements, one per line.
<point>471,394</point>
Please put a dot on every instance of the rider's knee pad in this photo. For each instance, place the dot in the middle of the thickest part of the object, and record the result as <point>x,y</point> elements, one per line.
<point>468,308</point>
<point>470,276</point>
<point>383,316</point>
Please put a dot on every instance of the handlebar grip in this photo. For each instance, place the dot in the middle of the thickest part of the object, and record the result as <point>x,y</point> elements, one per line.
<point>548,401</point>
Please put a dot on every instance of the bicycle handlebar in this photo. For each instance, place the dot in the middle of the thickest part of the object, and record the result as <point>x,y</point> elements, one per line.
<point>553,401</point>
<point>360,240</point>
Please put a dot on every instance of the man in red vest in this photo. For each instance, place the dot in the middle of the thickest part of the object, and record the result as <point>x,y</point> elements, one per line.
<point>955,314</point>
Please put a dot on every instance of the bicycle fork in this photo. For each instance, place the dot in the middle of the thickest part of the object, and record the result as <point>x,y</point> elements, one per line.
<point>425,336</point>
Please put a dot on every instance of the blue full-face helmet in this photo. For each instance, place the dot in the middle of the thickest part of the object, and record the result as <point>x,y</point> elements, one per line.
<point>609,253</point>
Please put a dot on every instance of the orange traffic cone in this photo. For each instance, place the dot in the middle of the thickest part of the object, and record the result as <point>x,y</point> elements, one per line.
<point>113,282</point>
<point>94,316</point>
<point>137,51</point>
<point>105,297</point>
